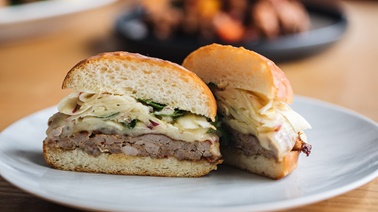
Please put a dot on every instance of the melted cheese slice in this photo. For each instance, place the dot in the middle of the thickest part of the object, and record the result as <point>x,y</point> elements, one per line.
<point>115,113</point>
<point>274,123</point>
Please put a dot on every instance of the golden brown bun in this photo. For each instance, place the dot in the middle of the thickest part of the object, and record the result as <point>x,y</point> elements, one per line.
<point>141,77</point>
<point>258,164</point>
<point>240,68</point>
<point>232,69</point>
<point>78,160</point>
<point>145,78</point>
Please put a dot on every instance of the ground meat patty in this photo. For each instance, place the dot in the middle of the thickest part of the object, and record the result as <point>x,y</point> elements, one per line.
<point>249,144</point>
<point>153,145</point>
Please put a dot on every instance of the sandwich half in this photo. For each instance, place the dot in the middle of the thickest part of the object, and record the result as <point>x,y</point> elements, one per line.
<point>261,132</point>
<point>133,115</point>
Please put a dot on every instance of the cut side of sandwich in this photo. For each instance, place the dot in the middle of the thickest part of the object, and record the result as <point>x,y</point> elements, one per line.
<point>261,132</point>
<point>134,115</point>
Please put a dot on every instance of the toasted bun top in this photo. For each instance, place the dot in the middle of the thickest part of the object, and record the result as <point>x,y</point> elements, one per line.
<point>240,68</point>
<point>142,77</point>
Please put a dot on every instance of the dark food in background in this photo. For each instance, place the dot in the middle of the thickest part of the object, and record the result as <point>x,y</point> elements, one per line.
<point>16,2</point>
<point>225,20</point>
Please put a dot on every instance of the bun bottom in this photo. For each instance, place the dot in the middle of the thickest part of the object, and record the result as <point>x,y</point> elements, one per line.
<point>259,164</point>
<point>78,160</point>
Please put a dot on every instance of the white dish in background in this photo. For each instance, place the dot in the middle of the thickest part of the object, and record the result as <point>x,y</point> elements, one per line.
<point>344,157</point>
<point>29,19</point>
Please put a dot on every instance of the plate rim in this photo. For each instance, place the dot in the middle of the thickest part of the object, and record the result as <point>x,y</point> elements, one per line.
<point>278,205</point>
<point>7,12</point>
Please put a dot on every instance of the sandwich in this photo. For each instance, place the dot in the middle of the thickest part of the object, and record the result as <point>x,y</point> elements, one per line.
<point>261,133</point>
<point>133,115</point>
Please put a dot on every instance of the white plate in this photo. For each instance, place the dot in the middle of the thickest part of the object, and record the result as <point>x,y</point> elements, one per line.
<point>344,157</point>
<point>33,18</point>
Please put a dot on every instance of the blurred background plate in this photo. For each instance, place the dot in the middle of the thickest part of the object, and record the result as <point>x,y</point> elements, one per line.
<point>328,24</point>
<point>29,19</point>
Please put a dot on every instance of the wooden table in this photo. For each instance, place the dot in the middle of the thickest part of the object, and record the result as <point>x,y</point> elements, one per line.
<point>31,72</point>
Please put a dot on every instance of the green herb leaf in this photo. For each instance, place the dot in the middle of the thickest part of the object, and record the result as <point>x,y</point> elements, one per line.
<point>224,136</point>
<point>155,105</point>
<point>131,124</point>
<point>177,114</point>
<point>211,130</point>
<point>109,116</point>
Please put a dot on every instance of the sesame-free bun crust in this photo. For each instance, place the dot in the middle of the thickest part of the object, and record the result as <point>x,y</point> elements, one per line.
<point>233,67</point>
<point>78,160</point>
<point>259,164</point>
<point>145,78</point>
